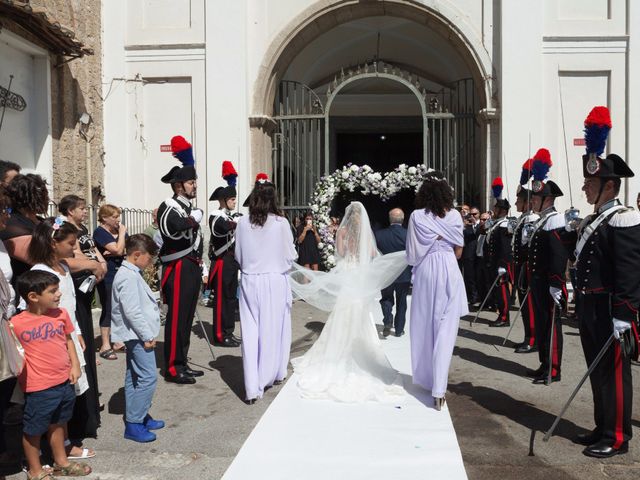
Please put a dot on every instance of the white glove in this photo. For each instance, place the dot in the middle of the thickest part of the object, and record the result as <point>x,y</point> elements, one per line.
<point>556,294</point>
<point>197,214</point>
<point>502,271</point>
<point>619,327</point>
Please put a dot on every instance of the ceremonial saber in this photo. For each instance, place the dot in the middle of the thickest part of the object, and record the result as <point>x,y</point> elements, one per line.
<point>592,367</point>
<point>524,301</point>
<point>485,300</point>
<point>206,337</point>
<point>553,326</point>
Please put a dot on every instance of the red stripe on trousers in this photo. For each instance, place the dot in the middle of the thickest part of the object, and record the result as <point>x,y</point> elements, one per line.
<point>174,317</point>
<point>619,437</point>
<point>218,270</point>
<point>165,277</point>
<point>532,323</point>
<point>506,302</point>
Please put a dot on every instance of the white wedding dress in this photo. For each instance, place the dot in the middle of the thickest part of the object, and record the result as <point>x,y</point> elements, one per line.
<point>347,363</point>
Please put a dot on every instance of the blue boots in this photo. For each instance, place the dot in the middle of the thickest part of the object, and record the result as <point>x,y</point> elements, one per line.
<point>138,433</point>
<point>152,424</point>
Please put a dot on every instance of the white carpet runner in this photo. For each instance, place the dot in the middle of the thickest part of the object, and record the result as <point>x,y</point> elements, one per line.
<point>311,439</point>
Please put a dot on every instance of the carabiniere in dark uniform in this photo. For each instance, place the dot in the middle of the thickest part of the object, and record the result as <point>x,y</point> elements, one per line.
<point>522,272</point>
<point>549,249</point>
<point>181,257</point>
<point>608,285</point>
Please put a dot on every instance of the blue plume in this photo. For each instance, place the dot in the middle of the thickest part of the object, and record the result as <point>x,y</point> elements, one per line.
<point>595,137</point>
<point>525,176</point>
<point>497,190</point>
<point>186,157</point>
<point>539,170</point>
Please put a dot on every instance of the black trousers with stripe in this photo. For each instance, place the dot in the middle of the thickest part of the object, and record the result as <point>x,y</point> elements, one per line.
<point>181,282</point>
<point>223,280</point>
<point>611,382</point>
<point>527,312</point>
<point>502,296</point>
<point>543,306</point>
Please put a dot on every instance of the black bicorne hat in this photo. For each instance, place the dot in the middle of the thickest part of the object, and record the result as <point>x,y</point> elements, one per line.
<point>180,174</point>
<point>547,189</point>
<point>522,192</point>
<point>613,166</point>
<point>503,203</point>
<point>223,193</point>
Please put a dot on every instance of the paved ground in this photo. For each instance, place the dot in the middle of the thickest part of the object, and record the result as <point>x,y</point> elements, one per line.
<point>494,410</point>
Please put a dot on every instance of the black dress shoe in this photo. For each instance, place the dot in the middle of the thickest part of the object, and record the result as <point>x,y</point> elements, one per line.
<point>181,378</point>
<point>499,323</point>
<point>589,438</point>
<point>526,349</point>
<point>544,378</point>
<point>252,401</point>
<point>533,373</point>
<point>400,334</point>
<point>227,342</point>
<point>386,331</point>
<point>603,449</point>
<point>192,373</point>
<point>237,339</point>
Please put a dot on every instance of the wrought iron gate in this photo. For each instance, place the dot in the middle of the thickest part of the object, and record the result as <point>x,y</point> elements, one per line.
<point>298,153</point>
<point>300,156</point>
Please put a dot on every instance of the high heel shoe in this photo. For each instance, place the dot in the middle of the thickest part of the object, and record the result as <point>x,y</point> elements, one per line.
<point>438,403</point>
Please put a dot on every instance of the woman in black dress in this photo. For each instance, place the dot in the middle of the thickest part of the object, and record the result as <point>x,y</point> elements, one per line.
<point>308,239</point>
<point>87,262</point>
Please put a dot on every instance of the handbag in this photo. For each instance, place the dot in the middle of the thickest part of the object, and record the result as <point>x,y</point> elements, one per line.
<point>11,352</point>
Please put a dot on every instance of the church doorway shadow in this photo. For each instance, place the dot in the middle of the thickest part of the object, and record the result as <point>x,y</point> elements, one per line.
<point>377,209</point>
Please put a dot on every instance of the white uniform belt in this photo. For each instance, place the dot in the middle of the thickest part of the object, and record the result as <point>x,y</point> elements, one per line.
<point>592,227</point>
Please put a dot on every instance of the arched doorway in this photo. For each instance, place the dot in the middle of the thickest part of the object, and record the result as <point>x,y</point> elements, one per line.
<point>337,48</point>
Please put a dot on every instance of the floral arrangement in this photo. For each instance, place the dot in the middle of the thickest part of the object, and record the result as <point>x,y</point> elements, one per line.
<point>369,182</point>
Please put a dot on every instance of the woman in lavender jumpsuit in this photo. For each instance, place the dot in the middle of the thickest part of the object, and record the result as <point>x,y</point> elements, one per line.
<point>434,242</point>
<point>265,251</point>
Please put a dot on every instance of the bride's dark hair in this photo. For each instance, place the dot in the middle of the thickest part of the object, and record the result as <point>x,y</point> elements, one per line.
<point>435,195</point>
<point>263,201</point>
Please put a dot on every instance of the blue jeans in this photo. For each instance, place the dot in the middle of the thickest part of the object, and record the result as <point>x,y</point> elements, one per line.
<point>140,381</point>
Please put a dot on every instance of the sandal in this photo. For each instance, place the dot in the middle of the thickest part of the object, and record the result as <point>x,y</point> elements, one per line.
<point>74,469</point>
<point>108,355</point>
<point>44,475</point>
<point>86,453</point>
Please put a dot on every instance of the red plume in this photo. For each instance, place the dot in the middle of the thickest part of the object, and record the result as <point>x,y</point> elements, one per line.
<point>527,164</point>
<point>598,116</point>
<point>544,156</point>
<point>262,176</point>
<point>228,169</point>
<point>497,182</point>
<point>178,143</point>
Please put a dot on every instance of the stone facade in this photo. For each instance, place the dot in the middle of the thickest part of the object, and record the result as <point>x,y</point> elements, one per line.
<point>75,88</point>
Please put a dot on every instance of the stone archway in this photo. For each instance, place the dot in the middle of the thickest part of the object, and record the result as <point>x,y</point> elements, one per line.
<point>324,16</point>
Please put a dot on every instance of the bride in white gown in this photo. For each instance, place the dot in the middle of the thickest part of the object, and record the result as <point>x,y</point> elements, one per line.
<point>347,363</point>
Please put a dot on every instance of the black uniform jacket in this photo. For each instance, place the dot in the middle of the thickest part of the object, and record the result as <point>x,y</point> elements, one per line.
<point>222,230</point>
<point>609,262</point>
<point>497,247</point>
<point>179,231</point>
<point>550,247</point>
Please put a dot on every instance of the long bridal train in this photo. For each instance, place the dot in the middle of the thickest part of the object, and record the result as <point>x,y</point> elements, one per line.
<point>347,363</point>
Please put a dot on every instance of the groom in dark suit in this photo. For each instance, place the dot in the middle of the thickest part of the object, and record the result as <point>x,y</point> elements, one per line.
<point>389,240</point>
